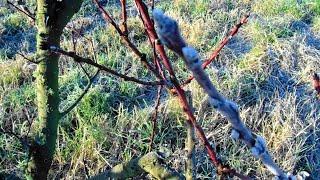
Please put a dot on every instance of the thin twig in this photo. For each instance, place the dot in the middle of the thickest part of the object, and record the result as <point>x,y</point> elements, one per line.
<point>109,19</point>
<point>23,140</point>
<point>85,71</point>
<point>22,11</point>
<point>142,8</point>
<point>124,25</point>
<point>28,59</point>
<point>155,117</point>
<point>225,40</point>
<point>190,167</point>
<point>226,107</point>
<point>85,91</point>
<point>127,41</point>
<point>90,79</point>
<point>80,59</point>
<point>170,36</point>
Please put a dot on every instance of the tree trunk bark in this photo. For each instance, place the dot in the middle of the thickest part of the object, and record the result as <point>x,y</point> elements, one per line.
<point>52,17</point>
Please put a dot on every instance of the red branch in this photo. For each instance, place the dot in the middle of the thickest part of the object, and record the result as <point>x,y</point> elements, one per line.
<point>149,25</point>
<point>153,38</point>
<point>225,40</point>
<point>127,41</point>
<point>124,26</point>
<point>180,92</point>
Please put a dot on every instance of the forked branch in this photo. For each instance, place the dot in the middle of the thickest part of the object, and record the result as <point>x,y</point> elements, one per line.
<point>125,38</point>
<point>223,105</point>
<point>150,30</point>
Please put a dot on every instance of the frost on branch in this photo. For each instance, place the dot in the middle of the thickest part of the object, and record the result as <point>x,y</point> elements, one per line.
<point>169,34</point>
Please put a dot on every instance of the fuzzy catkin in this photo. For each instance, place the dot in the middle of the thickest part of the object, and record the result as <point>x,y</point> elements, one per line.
<point>169,35</point>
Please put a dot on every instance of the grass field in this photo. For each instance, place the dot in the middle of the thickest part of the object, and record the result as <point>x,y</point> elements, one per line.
<point>265,68</point>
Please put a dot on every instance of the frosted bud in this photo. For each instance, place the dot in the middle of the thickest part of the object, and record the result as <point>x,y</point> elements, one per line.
<point>235,135</point>
<point>191,55</point>
<point>158,14</point>
<point>255,151</point>
<point>260,143</point>
<point>168,31</point>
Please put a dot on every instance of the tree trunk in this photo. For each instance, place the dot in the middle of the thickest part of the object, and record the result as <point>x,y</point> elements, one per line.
<point>52,17</point>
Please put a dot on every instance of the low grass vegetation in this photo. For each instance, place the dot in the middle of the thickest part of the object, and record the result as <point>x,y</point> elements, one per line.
<point>265,68</point>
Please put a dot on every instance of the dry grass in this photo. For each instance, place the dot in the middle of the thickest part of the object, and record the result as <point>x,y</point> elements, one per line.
<point>265,69</point>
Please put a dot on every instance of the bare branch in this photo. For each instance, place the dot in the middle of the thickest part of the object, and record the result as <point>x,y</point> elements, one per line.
<point>223,105</point>
<point>149,26</point>
<point>154,118</point>
<point>85,71</point>
<point>124,26</point>
<point>80,59</point>
<point>86,89</point>
<point>23,10</point>
<point>127,41</point>
<point>225,40</point>
<point>30,59</point>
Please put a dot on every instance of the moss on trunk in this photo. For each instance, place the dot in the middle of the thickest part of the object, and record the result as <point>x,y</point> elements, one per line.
<point>52,17</point>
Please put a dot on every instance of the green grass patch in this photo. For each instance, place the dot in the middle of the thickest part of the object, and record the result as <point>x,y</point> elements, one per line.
<point>272,8</point>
